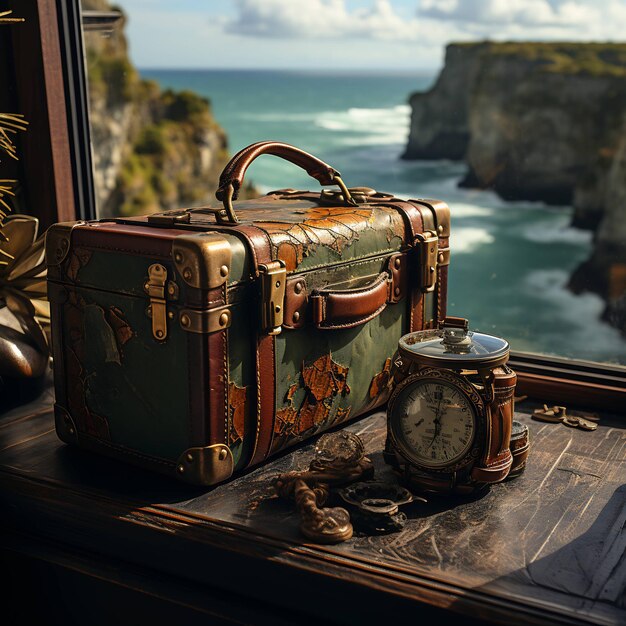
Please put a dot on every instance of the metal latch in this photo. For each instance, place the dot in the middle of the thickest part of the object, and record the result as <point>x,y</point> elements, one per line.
<point>155,288</point>
<point>170,218</point>
<point>273,277</point>
<point>427,243</point>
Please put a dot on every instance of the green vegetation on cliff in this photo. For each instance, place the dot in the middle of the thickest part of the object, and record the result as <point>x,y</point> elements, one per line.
<point>595,59</point>
<point>153,149</point>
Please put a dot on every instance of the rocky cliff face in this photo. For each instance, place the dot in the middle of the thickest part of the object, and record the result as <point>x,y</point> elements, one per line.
<point>440,117</point>
<point>152,149</point>
<point>539,121</point>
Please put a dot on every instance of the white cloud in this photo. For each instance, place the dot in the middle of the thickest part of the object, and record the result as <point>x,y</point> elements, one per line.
<point>321,19</point>
<point>406,34</point>
<point>532,19</point>
<point>432,23</point>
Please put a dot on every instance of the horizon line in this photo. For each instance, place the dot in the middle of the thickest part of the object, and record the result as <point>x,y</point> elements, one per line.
<point>394,70</point>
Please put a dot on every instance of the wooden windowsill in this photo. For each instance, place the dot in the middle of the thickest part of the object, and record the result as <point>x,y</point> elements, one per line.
<point>543,548</point>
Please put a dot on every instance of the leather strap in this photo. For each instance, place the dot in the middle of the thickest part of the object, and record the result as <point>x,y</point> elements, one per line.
<point>217,346</point>
<point>415,225</point>
<point>496,461</point>
<point>265,361</point>
<point>234,172</point>
<point>441,214</point>
<point>350,307</point>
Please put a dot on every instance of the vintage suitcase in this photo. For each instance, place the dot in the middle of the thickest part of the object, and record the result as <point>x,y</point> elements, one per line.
<point>199,342</point>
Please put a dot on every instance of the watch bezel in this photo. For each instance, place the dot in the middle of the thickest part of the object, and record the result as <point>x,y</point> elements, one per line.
<point>479,415</point>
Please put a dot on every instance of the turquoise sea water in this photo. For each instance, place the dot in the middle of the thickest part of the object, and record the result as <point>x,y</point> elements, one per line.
<point>510,260</point>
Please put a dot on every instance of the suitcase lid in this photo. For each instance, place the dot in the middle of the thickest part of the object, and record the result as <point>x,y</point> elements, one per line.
<point>189,255</point>
<point>306,230</point>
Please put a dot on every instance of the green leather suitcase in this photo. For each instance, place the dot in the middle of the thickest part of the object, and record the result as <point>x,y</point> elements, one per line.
<point>199,342</point>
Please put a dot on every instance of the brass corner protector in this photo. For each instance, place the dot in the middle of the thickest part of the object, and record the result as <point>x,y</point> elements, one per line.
<point>205,466</point>
<point>442,215</point>
<point>202,259</point>
<point>57,241</point>
<point>64,424</point>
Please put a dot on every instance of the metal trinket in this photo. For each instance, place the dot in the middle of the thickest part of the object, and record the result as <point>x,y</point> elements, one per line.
<point>374,507</point>
<point>340,459</point>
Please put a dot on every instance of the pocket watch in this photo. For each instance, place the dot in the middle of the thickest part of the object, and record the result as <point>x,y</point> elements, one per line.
<point>450,415</point>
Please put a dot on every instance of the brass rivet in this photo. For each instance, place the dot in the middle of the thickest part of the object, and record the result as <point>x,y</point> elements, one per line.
<point>146,286</point>
<point>71,430</point>
<point>171,315</point>
<point>189,457</point>
<point>296,316</point>
<point>396,263</point>
<point>178,257</point>
<point>277,284</point>
<point>432,249</point>
<point>159,334</point>
<point>171,290</point>
<point>432,269</point>
<point>149,310</point>
<point>223,319</point>
<point>440,228</point>
<point>186,273</point>
<point>222,454</point>
<point>396,291</point>
<point>181,469</point>
<point>185,320</point>
<point>298,287</point>
<point>277,309</point>
<point>440,258</point>
<point>224,270</point>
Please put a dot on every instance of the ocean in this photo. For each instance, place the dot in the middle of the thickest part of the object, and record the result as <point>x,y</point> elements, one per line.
<point>511,261</point>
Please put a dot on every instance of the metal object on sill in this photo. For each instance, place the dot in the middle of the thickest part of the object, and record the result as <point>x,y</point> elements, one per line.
<point>554,415</point>
<point>339,460</point>
<point>579,422</point>
<point>558,414</point>
<point>375,506</point>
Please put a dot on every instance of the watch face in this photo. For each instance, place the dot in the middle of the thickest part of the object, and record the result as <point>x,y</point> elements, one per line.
<point>434,422</point>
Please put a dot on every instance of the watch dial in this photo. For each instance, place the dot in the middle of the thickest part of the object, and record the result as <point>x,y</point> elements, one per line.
<point>434,421</point>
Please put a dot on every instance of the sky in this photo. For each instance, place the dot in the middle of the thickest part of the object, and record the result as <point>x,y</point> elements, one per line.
<point>350,34</point>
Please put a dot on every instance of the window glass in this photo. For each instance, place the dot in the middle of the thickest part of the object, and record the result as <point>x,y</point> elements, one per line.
<point>526,140</point>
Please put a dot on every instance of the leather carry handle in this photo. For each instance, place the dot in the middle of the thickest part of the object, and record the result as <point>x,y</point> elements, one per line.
<point>336,308</point>
<point>231,178</point>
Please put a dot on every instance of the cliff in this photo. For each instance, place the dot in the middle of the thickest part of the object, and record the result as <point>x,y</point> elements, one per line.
<point>539,121</point>
<point>152,149</point>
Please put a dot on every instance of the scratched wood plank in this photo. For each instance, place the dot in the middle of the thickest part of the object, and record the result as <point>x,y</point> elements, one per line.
<point>553,537</point>
<point>559,526</point>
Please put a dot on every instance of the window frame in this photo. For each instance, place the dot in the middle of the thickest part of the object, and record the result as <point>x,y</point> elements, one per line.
<point>62,103</point>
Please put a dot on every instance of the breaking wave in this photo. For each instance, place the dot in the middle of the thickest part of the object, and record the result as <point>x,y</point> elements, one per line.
<point>368,126</point>
<point>357,126</point>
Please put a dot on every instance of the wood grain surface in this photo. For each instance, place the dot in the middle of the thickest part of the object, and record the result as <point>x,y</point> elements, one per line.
<point>547,547</point>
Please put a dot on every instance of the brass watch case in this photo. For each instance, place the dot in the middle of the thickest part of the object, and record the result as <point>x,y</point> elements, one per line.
<point>479,441</point>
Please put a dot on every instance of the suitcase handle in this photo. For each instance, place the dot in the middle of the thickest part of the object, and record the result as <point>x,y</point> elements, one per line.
<point>346,308</point>
<point>231,178</point>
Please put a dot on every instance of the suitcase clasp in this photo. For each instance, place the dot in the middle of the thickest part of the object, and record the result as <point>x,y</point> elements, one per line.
<point>428,245</point>
<point>155,288</point>
<point>273,278</point>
